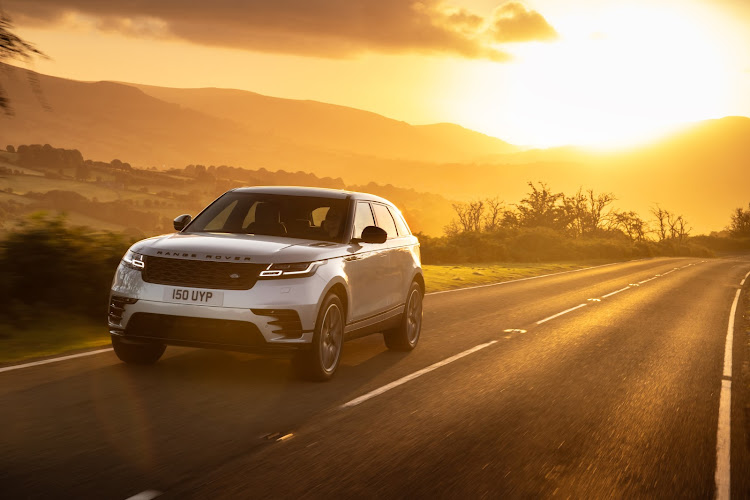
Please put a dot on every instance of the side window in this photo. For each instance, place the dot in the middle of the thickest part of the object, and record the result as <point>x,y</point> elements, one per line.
<point>218,222</point>
<point>400,223</point>
<point>362,219</point>
<point>385,221</point>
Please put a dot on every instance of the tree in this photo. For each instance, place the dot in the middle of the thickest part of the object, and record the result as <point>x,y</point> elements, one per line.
<point>739,226</point>
<point>12,47</point>
<point>10,149</point>
<point>493,219</point>
<point>588,211</point>
<point>631,224</point>
<point>543,208</point>
<point>469,217</point>
<point>662,222</point>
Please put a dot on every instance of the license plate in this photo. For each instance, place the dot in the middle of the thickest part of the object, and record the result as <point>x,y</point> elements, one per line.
<point>194,296</point>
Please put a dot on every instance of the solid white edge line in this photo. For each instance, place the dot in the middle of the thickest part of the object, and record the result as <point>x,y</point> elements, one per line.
<point>532,277</point>
<point>54,360</point>
<point>722,477</point>
<point>407,378</point>
<point>560,314</point>
<point>615,292</point>
<point>730,336</point>
<point>145,495</point>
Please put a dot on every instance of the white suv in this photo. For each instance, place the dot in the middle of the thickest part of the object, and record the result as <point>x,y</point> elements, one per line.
<point>272,269</point>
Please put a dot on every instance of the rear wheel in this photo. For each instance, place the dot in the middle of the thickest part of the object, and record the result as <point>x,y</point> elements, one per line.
<point>137,354</point>
<point>406,336</point>
<point>320,362</point>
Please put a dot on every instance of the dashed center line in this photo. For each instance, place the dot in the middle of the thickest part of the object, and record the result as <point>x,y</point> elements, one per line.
<point>145,495</point>
<point>615,292</point>
<point>403,380</point>
<point>560,314</point>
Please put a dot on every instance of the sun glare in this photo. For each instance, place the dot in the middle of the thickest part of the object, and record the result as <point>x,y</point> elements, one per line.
<point>620,80</point>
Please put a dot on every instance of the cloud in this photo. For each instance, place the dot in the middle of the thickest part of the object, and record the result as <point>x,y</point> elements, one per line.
<point>513,22</point>
<point>327,28</point>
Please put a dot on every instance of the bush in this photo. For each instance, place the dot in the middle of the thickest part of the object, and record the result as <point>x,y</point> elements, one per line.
<point>48,264</point>
<point>541,244</point>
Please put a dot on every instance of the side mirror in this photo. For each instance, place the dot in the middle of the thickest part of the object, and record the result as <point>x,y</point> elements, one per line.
<point>182,221</point>
<point>374,234</point>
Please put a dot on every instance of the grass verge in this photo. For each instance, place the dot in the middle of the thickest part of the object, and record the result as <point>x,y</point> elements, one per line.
<point>49,336</point>
<point>447,277</point>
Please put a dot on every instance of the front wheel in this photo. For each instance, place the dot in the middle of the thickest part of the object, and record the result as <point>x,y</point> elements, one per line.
<point>320,362</point>
<point>406,336</point>
<point>137,354</point>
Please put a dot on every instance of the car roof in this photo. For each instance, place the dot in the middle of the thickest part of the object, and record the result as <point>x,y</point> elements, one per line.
<point>312,191</point>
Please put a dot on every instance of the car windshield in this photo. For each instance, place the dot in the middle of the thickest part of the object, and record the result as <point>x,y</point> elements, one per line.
<point>304,217</point>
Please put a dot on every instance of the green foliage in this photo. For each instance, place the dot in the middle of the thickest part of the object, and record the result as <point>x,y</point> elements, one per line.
<point>739,226</point>
<point>36,155</point>
<point>542,244</point>
<point>48,264</point>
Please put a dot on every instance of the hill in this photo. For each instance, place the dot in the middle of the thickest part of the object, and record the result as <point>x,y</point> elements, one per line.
<point>700,172</point>
<point>327,127</point>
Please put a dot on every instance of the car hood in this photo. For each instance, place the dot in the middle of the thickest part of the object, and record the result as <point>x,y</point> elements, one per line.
<point>223,247</point>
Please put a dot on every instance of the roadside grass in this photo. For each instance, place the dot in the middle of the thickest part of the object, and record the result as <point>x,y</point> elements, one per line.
<point>49,336</point>
<point>449,277</point>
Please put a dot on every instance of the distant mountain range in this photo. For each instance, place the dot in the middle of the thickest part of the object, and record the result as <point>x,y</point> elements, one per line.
<point>702,172</point>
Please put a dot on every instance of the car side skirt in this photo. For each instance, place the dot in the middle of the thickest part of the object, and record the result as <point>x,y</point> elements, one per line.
<point>375,324</point>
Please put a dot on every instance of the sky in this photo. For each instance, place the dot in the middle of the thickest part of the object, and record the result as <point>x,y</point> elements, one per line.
<point>542,73</point>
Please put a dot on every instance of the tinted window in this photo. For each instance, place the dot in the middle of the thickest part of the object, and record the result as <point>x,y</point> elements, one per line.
<point>385,221</point>
<point>304,217</point>
<point>400,223</point>
<point>362,219</point>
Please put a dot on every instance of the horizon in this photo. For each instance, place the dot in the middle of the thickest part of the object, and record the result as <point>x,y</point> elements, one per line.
<point>533,74</point>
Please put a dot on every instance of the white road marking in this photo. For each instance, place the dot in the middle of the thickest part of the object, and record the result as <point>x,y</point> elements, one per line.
<point>730,336</point>
<point>560,314</point>
<point>419,373</point>
<point>722,476</point>
<point>742,283</point>
<point>615,292</point>
<point>531,277</point>
<point>54,360</point>
<point>646,281</point>
<point>145,495</point>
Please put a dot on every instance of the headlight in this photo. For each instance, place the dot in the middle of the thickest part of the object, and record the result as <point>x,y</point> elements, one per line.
<point>133,260</point>
<point>294,270</point>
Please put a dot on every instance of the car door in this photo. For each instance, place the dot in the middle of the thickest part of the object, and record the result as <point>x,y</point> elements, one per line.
<point>391,274</point>
<point>364,267</point>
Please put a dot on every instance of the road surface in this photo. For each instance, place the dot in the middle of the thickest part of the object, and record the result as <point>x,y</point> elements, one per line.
<point>619,396</point>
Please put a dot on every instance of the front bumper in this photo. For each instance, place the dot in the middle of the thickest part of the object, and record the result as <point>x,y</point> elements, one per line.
<point>273,314</point>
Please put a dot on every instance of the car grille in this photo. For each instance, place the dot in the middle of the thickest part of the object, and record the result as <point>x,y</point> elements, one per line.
<point>195,330</point>
<point>201,274</point>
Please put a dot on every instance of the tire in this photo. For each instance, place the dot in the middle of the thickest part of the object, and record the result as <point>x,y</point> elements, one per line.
<point>137,354</point>
<point>406,336</point>
<point>321,361</point>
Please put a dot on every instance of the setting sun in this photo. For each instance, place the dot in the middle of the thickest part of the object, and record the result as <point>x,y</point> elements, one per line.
<point>624,76</point>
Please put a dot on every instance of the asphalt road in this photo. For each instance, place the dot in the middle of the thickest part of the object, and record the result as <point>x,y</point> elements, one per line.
<point>618,398</point>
